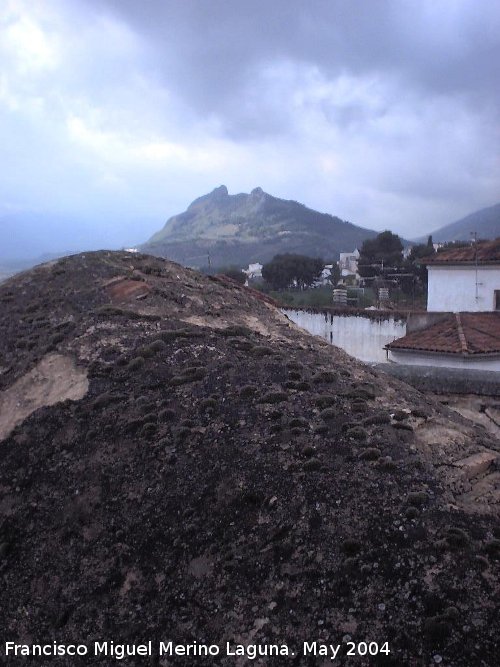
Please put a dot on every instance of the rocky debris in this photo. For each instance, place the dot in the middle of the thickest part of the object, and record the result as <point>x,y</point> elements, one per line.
<point>216,484</point>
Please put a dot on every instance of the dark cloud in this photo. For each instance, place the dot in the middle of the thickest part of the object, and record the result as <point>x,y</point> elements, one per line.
<point>382,112</point>
<point>211,52</point>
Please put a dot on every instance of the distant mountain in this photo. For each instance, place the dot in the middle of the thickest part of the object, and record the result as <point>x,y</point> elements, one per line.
<point>243,228</point>
<point>485,222</point>
<point>10,267</point>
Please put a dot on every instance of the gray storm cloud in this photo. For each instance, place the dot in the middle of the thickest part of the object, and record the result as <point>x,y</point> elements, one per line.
<point>115,114</point>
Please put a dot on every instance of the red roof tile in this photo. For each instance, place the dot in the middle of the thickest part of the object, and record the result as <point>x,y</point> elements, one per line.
<point>461,333</point>
<point>488,252</point>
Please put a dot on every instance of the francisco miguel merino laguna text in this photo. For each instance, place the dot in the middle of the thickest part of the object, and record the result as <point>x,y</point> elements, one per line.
<point>121,651</point>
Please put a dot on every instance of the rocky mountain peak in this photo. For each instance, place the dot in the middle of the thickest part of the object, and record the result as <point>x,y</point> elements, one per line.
<point>219,192</point>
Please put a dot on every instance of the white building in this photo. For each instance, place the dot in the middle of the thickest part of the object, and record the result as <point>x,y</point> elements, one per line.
<point>325,276</point>
<point>253,271</point>
<point>465,279</point>
<point>464,286</point>
<point>348,263</point>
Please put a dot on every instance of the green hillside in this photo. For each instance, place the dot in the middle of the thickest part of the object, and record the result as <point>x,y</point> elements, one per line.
<point>243,228</point>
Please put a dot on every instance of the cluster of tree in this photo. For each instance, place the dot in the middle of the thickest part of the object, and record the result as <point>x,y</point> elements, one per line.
<point>382,257</point>
<point>380,254</point>
<point>291,270</point>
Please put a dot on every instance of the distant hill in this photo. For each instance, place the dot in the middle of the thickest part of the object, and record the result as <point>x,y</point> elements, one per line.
<point>485,222</point>
<point>10,267</point>
<point>243,228</point>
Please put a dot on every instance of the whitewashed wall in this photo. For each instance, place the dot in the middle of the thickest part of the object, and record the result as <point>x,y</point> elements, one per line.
<point>453,289</point>
<point>360,336</point>
<point>445,361</point>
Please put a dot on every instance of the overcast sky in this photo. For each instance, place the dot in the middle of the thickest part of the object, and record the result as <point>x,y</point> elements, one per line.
<point>116,114</point>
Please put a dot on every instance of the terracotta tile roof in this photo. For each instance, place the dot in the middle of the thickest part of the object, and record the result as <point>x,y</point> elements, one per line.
<point>488,252</point>
<point>462,333</point>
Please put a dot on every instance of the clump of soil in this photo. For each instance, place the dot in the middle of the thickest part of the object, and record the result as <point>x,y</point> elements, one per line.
<point>216,480</point>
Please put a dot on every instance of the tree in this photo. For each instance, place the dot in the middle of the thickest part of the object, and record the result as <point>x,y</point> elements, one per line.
<point>292,270</point>
<point>380,254</point>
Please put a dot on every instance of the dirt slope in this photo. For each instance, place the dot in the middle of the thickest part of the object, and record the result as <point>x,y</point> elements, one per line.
<point>226,477</point>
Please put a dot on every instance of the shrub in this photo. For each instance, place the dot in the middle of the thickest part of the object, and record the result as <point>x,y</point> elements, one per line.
<point>357,433</point>
<point>261,351</point>
<point>148,430</point>
<point>328,414</point>
<point>324,401</point>
<point>56,339</point>
<point>274,397</point>
<point>191,374</point>
<point>298,422</point>
<point>181,434</point>
<point>370,454</point>
<point>247,391</point>
<point>457,538</point>
<point>169,335</point>
<point>208,404</point>
<point>364,390</point>
<point>402,426</point>
<point>240,344</point>
<point>158,345</point>
<point>235,330</point>
<point>400,415</point>
<point>167,414</point>
<point>303,386</point>
<point>377,418</point>
<point>135,363</point>
<point>417,498</point>
<point>492,547</point>
<point>326,377</point>
<point>421,412</point>
<point>312,464</point>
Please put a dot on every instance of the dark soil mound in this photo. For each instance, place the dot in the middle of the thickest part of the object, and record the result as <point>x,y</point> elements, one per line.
<point>227,478</point>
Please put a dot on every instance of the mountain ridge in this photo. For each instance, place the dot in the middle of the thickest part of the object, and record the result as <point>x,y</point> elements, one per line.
<point>244,228</point>
<point>485,221</point>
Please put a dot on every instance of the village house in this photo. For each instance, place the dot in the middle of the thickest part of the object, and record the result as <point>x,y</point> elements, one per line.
<point>463,305</point>
<point>348,263</point>
<point>254,271</point>
<point>465,279</point>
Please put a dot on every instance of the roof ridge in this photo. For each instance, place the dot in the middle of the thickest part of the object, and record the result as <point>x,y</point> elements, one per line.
<point>461,335</point>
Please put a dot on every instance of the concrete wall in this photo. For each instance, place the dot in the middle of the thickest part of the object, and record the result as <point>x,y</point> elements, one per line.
<point>445,380</point>
<point>363,336</point>
<point>454,288</point>
<point>445,360</point>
